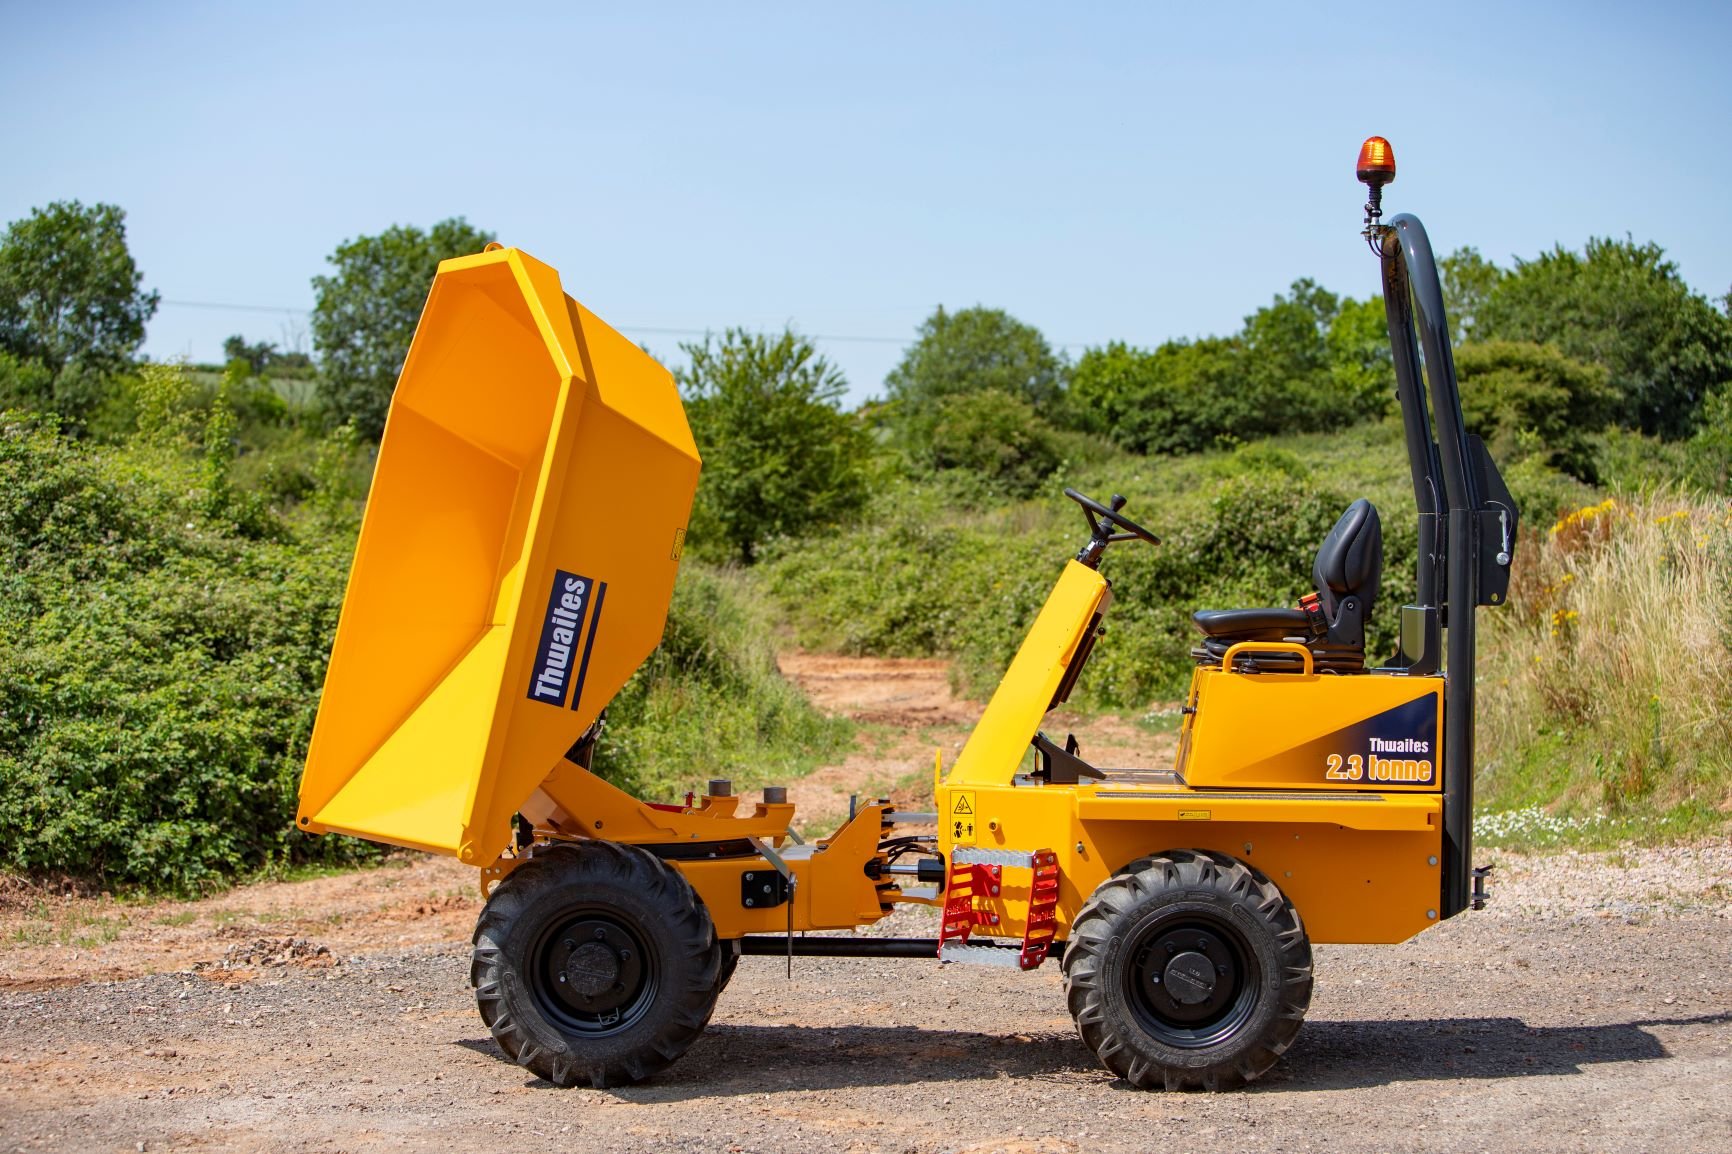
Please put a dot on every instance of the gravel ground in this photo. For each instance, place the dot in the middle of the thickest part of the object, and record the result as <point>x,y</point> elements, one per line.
<point>1590,1009</point>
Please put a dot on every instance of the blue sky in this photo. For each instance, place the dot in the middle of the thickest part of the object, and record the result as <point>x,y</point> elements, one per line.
<point>1132,172</point>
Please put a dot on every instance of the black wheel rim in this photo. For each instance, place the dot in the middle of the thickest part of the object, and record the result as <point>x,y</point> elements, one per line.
<point>592,973</point>
<point>1192,980</point>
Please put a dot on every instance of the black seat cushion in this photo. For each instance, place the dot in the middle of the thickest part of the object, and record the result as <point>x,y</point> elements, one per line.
<point>1251,624</point>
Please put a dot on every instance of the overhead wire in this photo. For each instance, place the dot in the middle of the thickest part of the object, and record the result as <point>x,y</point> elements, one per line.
<point>652,330</point>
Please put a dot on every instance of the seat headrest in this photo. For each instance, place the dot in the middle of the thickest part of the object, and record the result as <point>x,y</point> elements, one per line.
<point>1351,558</point>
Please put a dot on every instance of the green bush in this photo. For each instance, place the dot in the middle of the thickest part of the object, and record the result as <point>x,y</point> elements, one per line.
<point>1525,397</point>
<point>161,666</point>
<point>1183,397</point>
<point>975,350</point>
<point>780,456</point>
<point>993,435</point>
<point>164,628</point>
<point>1624,307</point>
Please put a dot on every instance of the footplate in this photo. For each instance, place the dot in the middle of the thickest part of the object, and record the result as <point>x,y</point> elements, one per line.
<point>979,873</point>
<point>1006,957</point>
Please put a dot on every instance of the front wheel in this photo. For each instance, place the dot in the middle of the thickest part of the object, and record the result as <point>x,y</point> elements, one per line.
<point>1188,969</point>
<point>595,962</point>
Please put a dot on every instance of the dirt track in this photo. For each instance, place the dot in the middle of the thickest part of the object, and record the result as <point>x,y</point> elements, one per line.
<point>1589,1009</point>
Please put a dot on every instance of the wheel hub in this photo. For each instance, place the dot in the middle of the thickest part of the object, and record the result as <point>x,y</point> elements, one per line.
<point>1189,978</point>
<point>593,968</point>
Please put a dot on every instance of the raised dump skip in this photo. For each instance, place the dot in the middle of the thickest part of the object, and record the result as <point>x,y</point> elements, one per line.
<point>515,564</point>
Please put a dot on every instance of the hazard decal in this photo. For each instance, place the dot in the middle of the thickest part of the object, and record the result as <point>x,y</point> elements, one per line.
<point>962,817</point>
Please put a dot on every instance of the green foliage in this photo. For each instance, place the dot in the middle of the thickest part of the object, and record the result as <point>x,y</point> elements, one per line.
<point>163,653</point>
<point>255,356</point>
<point>162,400</point>
<point>1317,361</point>
<point>780,458</point>
<point>1541,492</point>
<point>968,583</point>
<point>1622,306</point>
<point>364,314</point>
<point>1309,360</point>
<point>1288,345</point>
<point>994,437</point>
<point>710,701</point>
<point>162,666</point>
<point>976,350</point>
<point>1361,369</point>
<point>1260,457</point>
<point>25,385</point>
<point>1184,397</point>
<point>1510,388</point>
<point>69,290</point>
<point>1710,449</point>
<point>1468,282</point>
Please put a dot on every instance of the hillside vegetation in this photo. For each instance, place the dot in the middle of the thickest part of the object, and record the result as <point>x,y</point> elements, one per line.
<point>177,539</point>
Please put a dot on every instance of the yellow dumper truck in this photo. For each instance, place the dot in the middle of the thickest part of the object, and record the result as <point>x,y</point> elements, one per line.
<point>514,568</point>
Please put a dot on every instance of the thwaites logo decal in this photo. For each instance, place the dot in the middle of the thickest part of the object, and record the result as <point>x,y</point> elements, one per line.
<point>562,658</point>
<point>1395,747</point>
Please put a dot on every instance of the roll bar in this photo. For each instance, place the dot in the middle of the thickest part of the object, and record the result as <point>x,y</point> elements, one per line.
<point>1460,496</point>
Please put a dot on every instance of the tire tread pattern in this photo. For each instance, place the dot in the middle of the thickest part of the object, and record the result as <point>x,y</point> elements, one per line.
<point>1099,927</point>
<point>509,1010</point>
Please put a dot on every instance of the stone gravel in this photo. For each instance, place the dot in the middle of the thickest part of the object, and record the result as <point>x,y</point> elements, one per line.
<point>1589,1009</point>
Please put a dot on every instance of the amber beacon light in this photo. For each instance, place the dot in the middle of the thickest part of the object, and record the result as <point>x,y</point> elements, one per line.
<point>1376,162</point>
<point>1376,169</point>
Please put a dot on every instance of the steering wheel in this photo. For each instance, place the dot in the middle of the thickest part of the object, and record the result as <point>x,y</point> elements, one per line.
<point>1097,512</point>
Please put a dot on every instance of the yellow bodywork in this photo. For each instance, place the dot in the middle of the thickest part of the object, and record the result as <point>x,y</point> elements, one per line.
<point>1358,859</point>
<point>528,445</point>
<point>515,565</point>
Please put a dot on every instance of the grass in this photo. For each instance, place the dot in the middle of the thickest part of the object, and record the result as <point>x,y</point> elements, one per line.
<point>1605,682</point>
<point>71,928</point>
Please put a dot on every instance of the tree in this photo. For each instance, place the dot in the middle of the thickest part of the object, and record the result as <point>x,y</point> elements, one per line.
<point>995,436</point>
<point>1514,388</point>
<point>1183,397</point>
<point>364,314</point>
<point>1468,282</point>
<point>780,457</point>
<point>1361,368</point>
<point>972,351</point>
<point>1709,452</point>
<point>71,303</point>
<point>256,356</point>
<point>1622,306</point>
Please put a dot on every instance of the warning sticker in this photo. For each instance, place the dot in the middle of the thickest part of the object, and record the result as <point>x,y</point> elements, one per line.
<point>962,817</point>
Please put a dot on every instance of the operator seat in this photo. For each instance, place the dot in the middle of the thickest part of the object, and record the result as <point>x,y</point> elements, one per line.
<point>1329,622</point>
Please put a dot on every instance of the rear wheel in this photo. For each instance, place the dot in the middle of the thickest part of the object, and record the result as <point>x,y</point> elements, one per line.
<point>595,962</point>
<point>1188,970</point>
